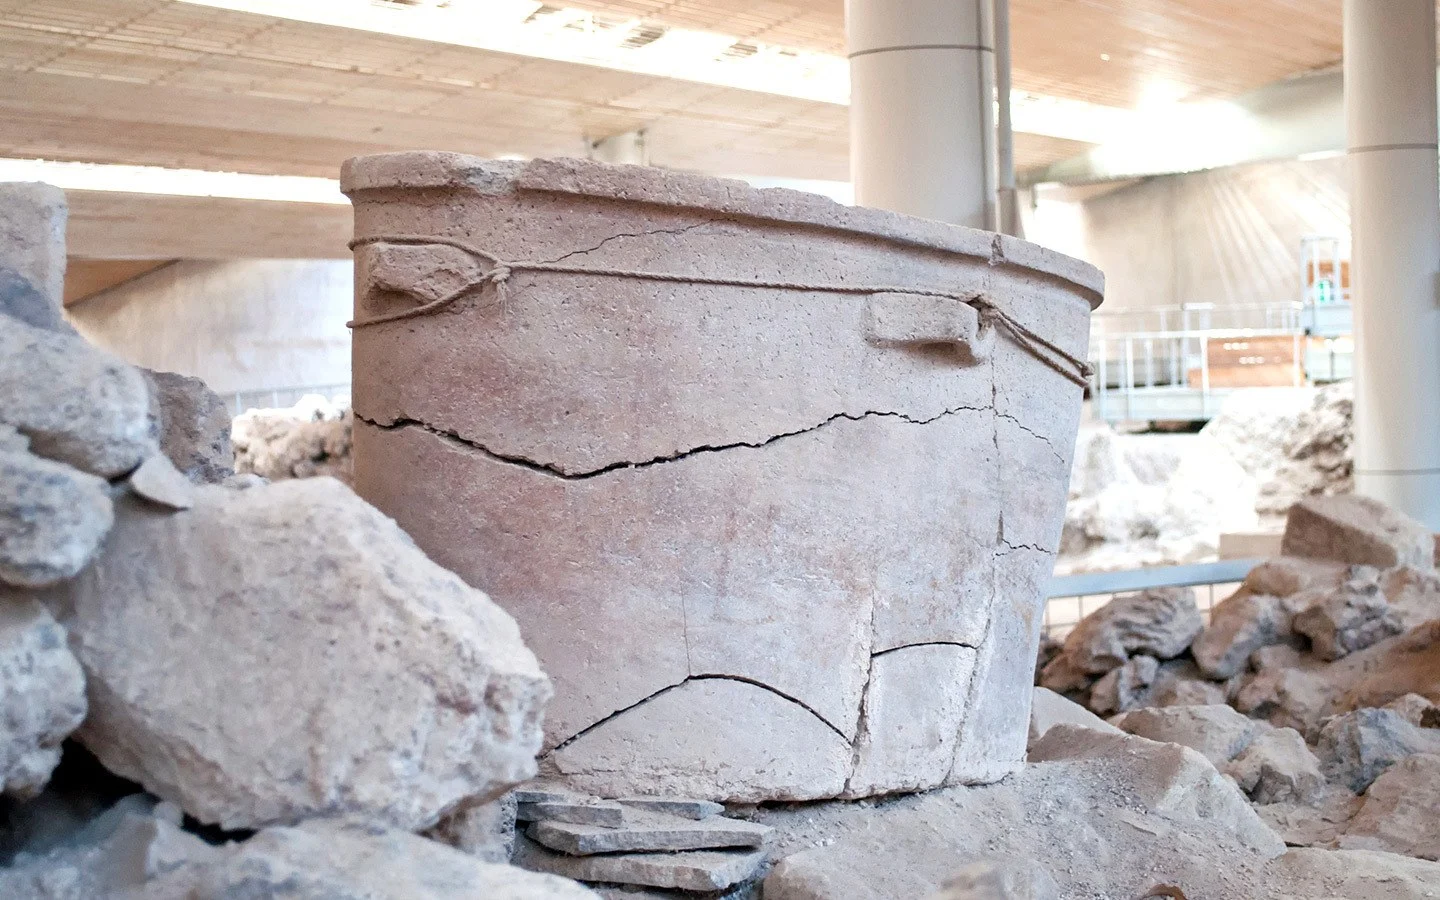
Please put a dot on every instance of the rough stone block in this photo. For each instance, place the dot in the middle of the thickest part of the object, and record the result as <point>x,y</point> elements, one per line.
<point>1277,767</point>
<point>648,832</point>
<point>1398,815</point>
<point>42,696</point>
<point>53,519</point>
<point>1352,529</point>
<point>1218,733</point>
<point>485,831</point>
<point>1048,709</point>
<point>1356,747</point>
<point>194,426</point>
<point>158,481</point>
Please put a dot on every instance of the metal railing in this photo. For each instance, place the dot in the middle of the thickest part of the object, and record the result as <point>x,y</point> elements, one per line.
<point>276,398</point>
<point>1070,598</point>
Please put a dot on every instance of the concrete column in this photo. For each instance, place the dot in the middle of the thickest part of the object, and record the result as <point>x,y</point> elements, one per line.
<point>922,130</point>
<point>1390,122</point>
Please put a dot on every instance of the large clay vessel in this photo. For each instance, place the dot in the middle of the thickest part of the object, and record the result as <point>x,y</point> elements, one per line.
<point>771,484</point>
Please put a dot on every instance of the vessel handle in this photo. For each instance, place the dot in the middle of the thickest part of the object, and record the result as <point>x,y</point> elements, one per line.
<point>895,319</point>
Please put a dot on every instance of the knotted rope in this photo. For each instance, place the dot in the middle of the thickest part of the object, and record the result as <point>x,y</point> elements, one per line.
<point>1073,368</point>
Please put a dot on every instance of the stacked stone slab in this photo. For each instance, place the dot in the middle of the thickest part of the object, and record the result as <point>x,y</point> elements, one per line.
<point>667,843</point>
<point>775,519</point>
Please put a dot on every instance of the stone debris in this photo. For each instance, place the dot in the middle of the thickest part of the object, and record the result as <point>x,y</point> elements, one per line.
<point>1161,623</point>
<point>1356,747</point>
<point>1416,710</point>
<point>406,692</point>
<point>77,404</point>
<point>1317,458</point>
<point>194,426</point>
<point>684,807</point>
<point>53,519</point>
<point>1124,688</point>
<point>1239,625</point>
<point>485,831</point>
<point>42,696</point>
<point>1048,709</point>
<point>1218,733</point>
<point>685,870</point>
<point>32,254</point>
<point>1399,812</point>
<point>1277,767</point>
<point>1006,879</point>
<point>1350,618</point>
<point>648,832</point>
<point>582,812</point>
<point>158,481</point>
<point>1413,593</point>
<point>1357,530</point>
<point>544,792</point>
<point>1408,664</point>
<point>1166,779</point>
<point>1316,822</point>
<point>325,859</point>
<point>308,440</point>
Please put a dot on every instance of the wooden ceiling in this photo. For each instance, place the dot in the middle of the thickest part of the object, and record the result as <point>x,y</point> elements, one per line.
<point>1204,48</point>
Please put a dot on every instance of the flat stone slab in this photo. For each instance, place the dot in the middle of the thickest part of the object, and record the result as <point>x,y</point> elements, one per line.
<point>689,870</point>
<point>676,806</point>
<point>647,831</point>
<point>542,792</point>
<point>577,812</point>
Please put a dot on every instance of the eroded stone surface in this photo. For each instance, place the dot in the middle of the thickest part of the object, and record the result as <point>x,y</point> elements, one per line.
<point>1277,767</point>
<point>713,455</point>
<point>1398,815</point>
<point>1048,709</point>
<point>76,403</point>
<point>676,806</point>
<point>1356,747</point>
<point>53,519</point>
<point>194,426</point>
<point>1159,623</point>
<point>158,481</point>
<point>42,696</point>
<point>1239,625</point>
<point>586,811</point>
<point>486,831</point>
<point>1218,733</point>
<point>1123,689</point>
<point>1358,530</point>
<point>405,692</point>
<point>647,832</point>
<point>1348,618</point>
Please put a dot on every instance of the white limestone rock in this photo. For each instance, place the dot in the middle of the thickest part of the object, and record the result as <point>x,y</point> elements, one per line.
<point>1414,594</point>
<point>1124,689</point>
<point>77,404</point>
<point>285,651</point>
<point>1159,623</point>
<point>1416,710</point>
<point>329,860</point>
<point>1357,530</point>
<point>1164,778</point>
<point>32,253</point>
<point>1351,617</point>
<point>1277,767</point>
<point>1399,813</point>
<point>1282,576</point>
<point>1218,733</point>
<point>194,426</point>
<point>310,439</point>
<point>42,696</point>
<point>158,481</point>
<point>1286,696</point>
<point>1239,625</point>
<point>1356,747</point>
<point>53,519</point>
<point>1048,709</point>
<point>486,831</point>
<point>1308,874</point>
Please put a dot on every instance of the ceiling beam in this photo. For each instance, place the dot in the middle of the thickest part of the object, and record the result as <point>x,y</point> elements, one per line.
<point>1284,120</point>
<point>113,225</point>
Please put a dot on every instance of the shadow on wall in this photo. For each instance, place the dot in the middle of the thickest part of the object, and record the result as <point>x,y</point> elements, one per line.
<point>240,325</point>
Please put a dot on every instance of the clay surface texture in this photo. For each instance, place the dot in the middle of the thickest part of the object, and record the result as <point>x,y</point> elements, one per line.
<point>767,484</point>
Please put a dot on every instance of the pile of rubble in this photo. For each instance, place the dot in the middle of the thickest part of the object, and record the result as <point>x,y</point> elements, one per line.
<point>1314,686</point>
<point>1141,500</point>
<point>311,438</point>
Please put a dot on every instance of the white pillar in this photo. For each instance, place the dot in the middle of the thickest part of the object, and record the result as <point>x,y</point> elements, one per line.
<point>922,130</point>
<point>1390,122</point>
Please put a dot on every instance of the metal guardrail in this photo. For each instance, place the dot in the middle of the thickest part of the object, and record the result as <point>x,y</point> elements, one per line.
<point>1067,596</point>
<point>276,398</point>
<point>1088,584</point>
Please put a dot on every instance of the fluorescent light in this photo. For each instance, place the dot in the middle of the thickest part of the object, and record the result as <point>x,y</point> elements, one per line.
<point>173,182</point>
<point>528,28</point>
